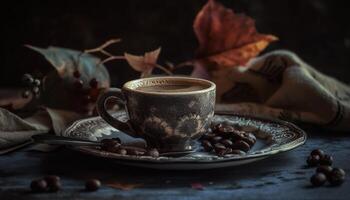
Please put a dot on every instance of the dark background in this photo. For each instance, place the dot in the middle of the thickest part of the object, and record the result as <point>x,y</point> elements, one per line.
<point>317,30</point>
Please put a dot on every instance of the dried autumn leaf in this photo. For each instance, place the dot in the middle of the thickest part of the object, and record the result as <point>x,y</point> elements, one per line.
<point>144,64</point>
<point>123,186</point>
<point>226,38</point>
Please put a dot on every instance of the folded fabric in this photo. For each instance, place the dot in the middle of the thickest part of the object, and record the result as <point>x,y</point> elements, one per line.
<point>16,132</point>
<point>280,85</point>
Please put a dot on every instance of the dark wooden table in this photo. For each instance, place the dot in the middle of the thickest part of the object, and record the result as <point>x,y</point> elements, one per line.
<point>283,176</point>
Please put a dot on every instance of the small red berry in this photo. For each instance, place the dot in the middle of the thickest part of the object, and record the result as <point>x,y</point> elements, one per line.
<point>76,74</point>
<point>93,83</point>
<point>78,84</point>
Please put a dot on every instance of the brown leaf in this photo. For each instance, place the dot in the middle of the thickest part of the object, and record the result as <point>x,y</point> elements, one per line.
<point>145,63</point>
<point>226,38</point>
<point>123,186</point>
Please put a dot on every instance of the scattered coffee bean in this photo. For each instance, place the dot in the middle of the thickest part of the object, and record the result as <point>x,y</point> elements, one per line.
<point>153,152</point>
<point>318,179</point>
<point>226,142</point>
<point>336,177</point>
<point>51,179</point>
<point>39,185</point>
<point>207,145</point>
<point>326,160</point>
<point>241,145</point>
<point>55,186</point>
<point>313,160</point>
<point>92,185</point>
<point>121,151</point>
<point>318,152</point>
<point>325,169</point>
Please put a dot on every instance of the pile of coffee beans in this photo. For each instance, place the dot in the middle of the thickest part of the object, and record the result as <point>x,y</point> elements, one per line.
<point>324,171</point>
<point>226,140</point>
<point>114,145</point>
<point>52,183</point>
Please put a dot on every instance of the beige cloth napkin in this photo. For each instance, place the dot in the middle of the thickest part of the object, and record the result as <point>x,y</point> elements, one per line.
<point>281,85</point>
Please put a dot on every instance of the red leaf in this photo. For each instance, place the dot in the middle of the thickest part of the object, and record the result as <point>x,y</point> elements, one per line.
<point>145,63</point>
<point>197,186</point>
<point>226,38</point>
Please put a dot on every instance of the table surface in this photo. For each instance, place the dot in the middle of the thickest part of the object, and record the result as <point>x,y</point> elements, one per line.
<point>282,176</point>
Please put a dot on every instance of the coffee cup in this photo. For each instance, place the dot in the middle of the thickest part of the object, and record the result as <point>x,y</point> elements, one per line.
<point>169,113</point>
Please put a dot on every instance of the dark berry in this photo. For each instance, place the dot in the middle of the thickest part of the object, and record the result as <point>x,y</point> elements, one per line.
<point>78,84</point>
<point>27,79</point>
<point>313,161</point>
<point>92,185</point>
<point>36,82</point>
<point>318,152</point>
<point>326,160</point>
<point>318,179</point>
<point>39,185</point>
<point>325,169</point>
<point>26,94</point>
<point>76,74</point>
<point>35,90</point>
<point>153,152</point>
<point>93,83</point>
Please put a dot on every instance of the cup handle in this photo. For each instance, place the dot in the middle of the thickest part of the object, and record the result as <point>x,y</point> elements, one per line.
<point>101,109</point>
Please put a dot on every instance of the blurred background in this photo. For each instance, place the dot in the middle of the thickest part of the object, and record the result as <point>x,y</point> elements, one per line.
<point>317,30</point>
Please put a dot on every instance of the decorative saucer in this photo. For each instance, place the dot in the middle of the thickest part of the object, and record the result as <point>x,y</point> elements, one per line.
<point>273,137</point>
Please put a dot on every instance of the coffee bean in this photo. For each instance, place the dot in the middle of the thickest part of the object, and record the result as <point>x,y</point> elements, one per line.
<point>111,145</point>
<point>318,179</point>
<point>318,152</point>
<point>336,177</point>
<point>226,142</point>
<point>219,147</point>
<point>221,152</point>
<point>338,171</point>
<point>237,135</point>
<point>326,160</point>
<point>249,138</point>
<point>238,152</point>
<point>153,152</point>
<point>121,151</point>
<point>208,136</point>
<point>92,185</point>
<point>39,185</point>
<point>207,145</point>
<point>55,186</point>
<point>51,179</point>
<point>313,160</point>
<point>325,169</point>
<point>216,139</point>
<point>241,145</point>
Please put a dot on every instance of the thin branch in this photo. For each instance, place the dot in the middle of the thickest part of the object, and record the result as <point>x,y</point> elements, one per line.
<point>103,46</point>
<point>164,69</point>
<point>112,58</point>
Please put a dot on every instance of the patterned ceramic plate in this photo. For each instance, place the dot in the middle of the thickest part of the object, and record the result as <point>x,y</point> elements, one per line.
<point>273,136</point>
